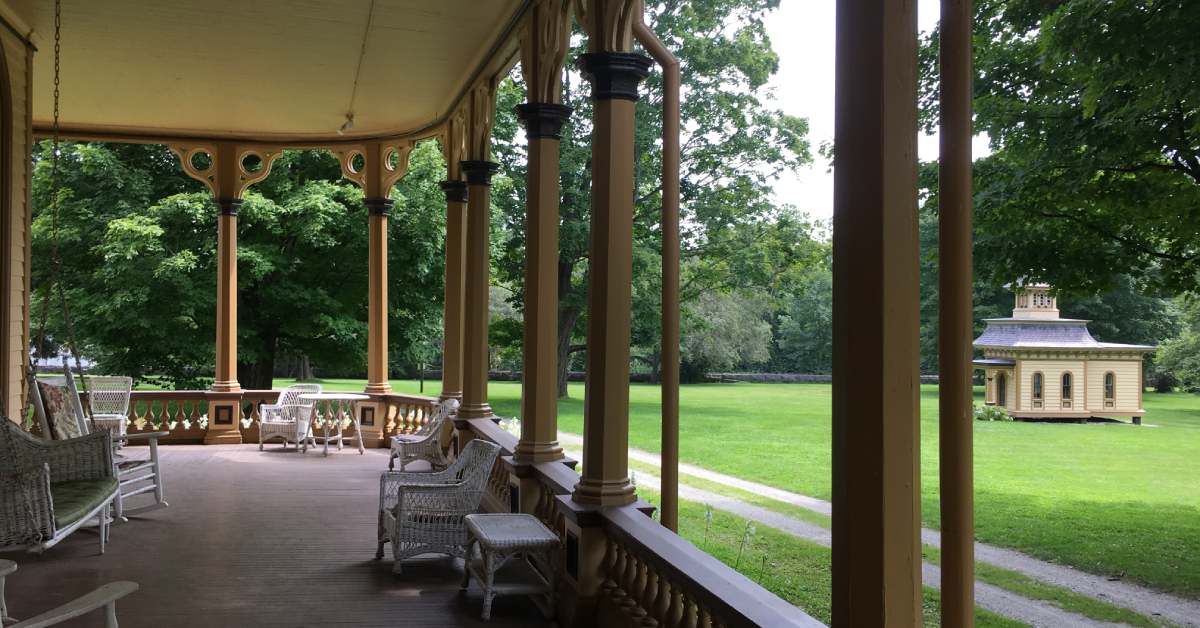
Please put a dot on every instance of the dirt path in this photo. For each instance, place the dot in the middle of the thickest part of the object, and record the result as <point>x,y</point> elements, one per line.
<point>1137,598</point>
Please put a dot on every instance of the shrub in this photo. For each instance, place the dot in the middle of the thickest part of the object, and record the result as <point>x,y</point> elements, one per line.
<point>991,413</point>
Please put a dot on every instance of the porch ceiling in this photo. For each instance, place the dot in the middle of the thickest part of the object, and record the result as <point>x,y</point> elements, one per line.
<point>269,70</point>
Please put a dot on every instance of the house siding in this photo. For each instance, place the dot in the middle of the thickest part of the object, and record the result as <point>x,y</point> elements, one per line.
<point>1128,389</point>
<point>15,139</point>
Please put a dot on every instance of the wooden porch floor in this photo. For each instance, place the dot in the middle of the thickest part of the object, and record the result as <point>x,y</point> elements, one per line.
<point>258,539</point>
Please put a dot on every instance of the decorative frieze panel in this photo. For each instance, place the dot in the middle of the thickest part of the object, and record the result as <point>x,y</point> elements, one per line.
<point>375,166</point>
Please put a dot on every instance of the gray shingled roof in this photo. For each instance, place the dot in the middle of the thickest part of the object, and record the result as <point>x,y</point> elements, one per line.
<point>1057,333</point>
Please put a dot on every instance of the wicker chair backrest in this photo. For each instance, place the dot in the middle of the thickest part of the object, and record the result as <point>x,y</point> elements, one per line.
<point>109,394</point>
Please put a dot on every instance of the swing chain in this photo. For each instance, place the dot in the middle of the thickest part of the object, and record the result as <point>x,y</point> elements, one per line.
<point>55,256</point>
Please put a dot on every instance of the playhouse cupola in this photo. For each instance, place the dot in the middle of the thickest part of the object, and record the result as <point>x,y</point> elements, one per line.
<point>1035,301</point>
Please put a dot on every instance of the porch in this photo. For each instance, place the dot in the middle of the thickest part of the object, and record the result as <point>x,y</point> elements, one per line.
<point>260,538</point>
<point>272,538</point>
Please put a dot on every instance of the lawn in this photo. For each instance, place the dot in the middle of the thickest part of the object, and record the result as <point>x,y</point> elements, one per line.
<point>1115,500</point>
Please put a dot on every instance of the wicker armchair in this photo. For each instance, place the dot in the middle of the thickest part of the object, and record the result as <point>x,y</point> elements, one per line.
<point>108,399</point>
<point>423,513</point>
<point>289,418</point>
<point>426,442</point>
<point>48,489</point>
<point>105,597</point>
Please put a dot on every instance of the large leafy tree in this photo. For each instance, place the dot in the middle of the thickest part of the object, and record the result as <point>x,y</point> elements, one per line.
<point>1093,111</point>
<point>733,147</point>
<point>137,242</point>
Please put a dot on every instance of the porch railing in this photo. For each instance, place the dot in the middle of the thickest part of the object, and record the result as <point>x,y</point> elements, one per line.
<point>648,575</point>
<point>184,414</point>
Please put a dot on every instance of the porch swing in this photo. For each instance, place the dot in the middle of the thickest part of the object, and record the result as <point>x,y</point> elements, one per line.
<point>57,403</point>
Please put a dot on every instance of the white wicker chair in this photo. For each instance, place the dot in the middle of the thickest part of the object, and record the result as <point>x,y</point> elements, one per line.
<point>424,513</point>
<point>105,597</point>
<point>108,399</point>
<point>48,489</point>
<point>289,418</point>
<point>425,443</point>
<point>60,414</point>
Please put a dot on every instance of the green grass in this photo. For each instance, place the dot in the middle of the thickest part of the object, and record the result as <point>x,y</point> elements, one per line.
<point>1114,500</point>
<point>792,568</point>
<point>1014,581</point>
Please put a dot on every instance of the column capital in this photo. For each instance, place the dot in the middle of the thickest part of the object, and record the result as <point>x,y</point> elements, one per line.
<point>479,171</point>
<point>543,120</point>
<point>614,75</point>
<point>379,206</point>
<point>228,206</point>
<point>455,190</point>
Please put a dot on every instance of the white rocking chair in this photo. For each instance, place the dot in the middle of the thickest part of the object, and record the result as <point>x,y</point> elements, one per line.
<point>104,597</point>
<point>108,400</point>
<point>137,475</point>
<point>289,418</point>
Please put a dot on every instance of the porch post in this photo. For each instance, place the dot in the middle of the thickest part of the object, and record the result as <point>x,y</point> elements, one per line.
<point>543,50</point>
<point>375,167</point>
<point>453,148</point>
<point>377,300</point>
<point>452,317</point>
<point>478,171</point>
<point>615,73</point>
<point>876,505</point>
<point>227,169</point>
<point>955,318</point>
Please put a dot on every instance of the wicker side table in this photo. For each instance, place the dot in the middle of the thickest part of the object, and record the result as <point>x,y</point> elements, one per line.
<point>502,536</point>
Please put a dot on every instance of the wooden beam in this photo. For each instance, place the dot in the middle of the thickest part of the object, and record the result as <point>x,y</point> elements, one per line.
<point>955,317</point>
<point>876,420</point>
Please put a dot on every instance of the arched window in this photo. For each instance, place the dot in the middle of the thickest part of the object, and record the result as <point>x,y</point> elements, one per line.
<point>1037,390</point>
<point>1110,389</point>
<point>1067,389</point>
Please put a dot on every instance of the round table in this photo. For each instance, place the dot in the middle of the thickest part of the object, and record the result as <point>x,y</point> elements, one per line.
<point>341,405</point>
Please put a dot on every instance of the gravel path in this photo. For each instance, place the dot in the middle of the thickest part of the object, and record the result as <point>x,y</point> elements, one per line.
<point>1137,598</point>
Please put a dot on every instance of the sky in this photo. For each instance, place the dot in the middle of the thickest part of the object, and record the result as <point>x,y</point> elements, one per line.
<point>802,34</point>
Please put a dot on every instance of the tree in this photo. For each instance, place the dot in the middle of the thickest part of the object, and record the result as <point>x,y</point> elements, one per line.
<point>1178,359</point>
<point>1095,128</point>
<point>138,242</point>
<point>725,330</point>
<point>732,149</point>
<point>805,336</point>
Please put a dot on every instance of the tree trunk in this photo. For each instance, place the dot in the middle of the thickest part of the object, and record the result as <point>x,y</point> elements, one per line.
<point>566,326</point>
<point>304,371</point>
<point>260,374</point>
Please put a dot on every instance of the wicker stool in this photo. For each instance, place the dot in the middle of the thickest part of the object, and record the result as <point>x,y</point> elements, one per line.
<point>503,536</point>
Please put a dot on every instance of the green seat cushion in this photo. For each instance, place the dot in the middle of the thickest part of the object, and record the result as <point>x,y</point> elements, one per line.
<point>73,500</point>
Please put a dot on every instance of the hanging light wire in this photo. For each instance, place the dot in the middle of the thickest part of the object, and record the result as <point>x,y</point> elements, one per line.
<point>362,53</point>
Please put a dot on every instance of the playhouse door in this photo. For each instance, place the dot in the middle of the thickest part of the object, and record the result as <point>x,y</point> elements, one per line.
<point>1002,390</point>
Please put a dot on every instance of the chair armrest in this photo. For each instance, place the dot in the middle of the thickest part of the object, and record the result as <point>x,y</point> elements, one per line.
<point>147,436</point>
<point>26,492</point>
<point>104,596</point>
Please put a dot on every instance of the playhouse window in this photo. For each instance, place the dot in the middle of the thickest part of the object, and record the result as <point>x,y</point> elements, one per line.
<point>1066,389</point>
<point>1110,387</point>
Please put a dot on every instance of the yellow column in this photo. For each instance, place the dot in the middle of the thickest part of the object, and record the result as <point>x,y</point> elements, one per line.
<point>615,75</point>
<point>452,338</point>
<point>543,50</point>
<point>377,314</point>
<point>955,318</point>
<point>224,401</point>
<point>478,265</point>
<point>876,444</point>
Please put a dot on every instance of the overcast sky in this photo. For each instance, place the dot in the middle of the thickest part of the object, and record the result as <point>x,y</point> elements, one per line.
<point>802,33</point>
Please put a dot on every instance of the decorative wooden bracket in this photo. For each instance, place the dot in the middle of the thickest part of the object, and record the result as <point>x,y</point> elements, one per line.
<point>375,166</point>
<point>481,103</point>
<point>227,172</point>
<point>454,142</point>
<point>609,23</point>
<point>544,43</point>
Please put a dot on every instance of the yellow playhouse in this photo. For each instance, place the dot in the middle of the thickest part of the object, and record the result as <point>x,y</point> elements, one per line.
<point>1039,366</point>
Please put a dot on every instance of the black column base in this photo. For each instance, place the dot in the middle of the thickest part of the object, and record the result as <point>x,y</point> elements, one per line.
<point>543,120</point>
<point>455,191</point>
<point>614,75</point>
<point>479,171</point>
